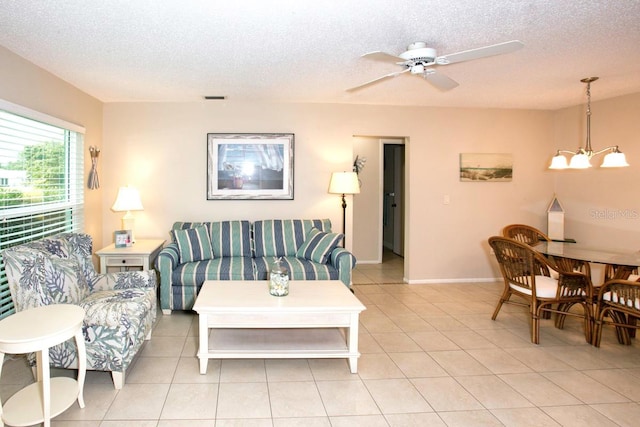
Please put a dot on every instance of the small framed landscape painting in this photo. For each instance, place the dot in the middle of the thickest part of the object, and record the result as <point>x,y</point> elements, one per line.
<point>486,167</point>
<point>246,166</point>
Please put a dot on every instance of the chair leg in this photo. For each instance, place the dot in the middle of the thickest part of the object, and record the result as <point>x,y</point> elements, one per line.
<point>621,332</point>
<point>535,323</point>
<point>560,318</point>
<point>118,379</point>
<point>504,298</point>
<point>597,333</point>
<point>633,321</point>
<point>588,323</point>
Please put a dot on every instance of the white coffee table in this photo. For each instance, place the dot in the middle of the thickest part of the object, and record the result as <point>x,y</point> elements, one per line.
<point>318,319</point>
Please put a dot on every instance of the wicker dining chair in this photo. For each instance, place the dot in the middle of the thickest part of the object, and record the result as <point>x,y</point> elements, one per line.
<point>527,275</point>
<point>524,234</point>
<point>532,236</point>
<point>618,304</point>
<point>614,271</point>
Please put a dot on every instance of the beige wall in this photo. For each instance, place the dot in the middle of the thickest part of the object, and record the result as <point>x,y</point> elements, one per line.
<point>160,148</point>
<point>366,206</point>
<point>24,84</point>
<point>602,206</point>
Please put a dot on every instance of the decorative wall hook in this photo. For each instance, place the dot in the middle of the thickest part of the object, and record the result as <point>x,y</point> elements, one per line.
<point>93,181</point>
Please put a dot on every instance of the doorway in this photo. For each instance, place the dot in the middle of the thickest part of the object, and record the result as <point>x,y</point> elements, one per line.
<point>378,216</point>
<point>393,197</point>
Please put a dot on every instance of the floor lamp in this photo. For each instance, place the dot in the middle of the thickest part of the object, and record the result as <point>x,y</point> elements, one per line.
<point>344,183</point>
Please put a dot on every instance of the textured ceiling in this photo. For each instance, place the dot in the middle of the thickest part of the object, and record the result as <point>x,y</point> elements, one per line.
<point>309,51</point>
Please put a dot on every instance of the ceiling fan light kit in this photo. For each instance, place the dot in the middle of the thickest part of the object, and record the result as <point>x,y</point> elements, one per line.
<point>581,158</point>
<point>420,60</point>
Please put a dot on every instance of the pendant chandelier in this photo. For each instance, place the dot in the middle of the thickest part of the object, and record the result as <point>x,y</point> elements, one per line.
<point>581,158</point>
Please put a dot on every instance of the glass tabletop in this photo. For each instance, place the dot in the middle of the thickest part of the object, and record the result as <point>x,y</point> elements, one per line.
<point>591,254</point>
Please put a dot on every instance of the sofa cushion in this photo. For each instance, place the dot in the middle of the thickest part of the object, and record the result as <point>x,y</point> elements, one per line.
<point>231,238</point>
<point>299,269</point>
<point>318,245</point>
<point>227,268</point>
<point>194,244</point>
<point>275,238</point>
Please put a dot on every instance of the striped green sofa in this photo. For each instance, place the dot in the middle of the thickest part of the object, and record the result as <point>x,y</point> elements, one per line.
<point>242,250</point>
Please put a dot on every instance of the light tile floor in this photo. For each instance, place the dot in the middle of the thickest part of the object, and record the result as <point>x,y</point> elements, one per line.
<point>431,356</point>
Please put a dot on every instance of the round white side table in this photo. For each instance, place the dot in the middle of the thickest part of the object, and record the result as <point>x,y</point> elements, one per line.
<point>35,330</point>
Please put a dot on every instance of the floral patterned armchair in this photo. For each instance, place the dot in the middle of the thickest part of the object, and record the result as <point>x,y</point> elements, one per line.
<point>120,307</point>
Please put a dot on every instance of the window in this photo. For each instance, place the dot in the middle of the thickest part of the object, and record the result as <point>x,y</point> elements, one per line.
<point>41,181</point>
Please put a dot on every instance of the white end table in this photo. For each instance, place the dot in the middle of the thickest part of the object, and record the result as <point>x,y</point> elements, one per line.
<point>35,330</point>
<point>141,254</point>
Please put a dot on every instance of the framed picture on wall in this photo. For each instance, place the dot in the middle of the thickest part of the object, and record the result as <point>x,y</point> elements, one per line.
<point>249,166</point>
<point>486,167</point>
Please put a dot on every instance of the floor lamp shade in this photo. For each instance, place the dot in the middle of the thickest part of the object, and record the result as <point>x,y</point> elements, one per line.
<point>344,183</point>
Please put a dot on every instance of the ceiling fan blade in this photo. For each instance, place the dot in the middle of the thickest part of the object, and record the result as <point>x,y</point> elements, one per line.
<point>382,56</point>
<point>397,73</point>
<point>439,80</point>
<point>481,52</point>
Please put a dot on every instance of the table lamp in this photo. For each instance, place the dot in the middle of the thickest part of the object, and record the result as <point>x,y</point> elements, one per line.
<point>128,200</point>
<point>344,183</point>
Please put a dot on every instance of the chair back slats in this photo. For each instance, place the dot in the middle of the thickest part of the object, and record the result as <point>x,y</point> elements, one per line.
<point>573,285</point>
<point>618,304</point>
<point>516,262</point>
<point>623,294</point>
<point>613,271</point>
<point>524,234</point>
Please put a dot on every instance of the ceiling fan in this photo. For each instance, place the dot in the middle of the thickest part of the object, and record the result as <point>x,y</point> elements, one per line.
<point>420,60</point>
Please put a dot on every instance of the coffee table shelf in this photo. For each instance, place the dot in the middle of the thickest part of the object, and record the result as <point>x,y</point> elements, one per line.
<point>278,343</point>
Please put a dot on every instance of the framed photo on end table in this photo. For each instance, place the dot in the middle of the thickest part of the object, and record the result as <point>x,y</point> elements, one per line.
<point>122,238</point>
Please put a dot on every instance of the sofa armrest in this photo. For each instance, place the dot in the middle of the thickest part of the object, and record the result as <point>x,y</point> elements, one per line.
<point>124,280</point>
<point>167,261</point>
<point>344,262</point>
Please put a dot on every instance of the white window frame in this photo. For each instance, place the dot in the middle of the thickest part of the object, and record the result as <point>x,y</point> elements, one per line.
<point>74,204</point>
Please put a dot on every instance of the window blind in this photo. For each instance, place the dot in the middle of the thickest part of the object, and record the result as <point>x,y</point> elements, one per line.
<point>41,181</point>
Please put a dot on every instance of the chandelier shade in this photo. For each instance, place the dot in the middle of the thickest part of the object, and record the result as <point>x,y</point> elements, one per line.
<point>581,158</point>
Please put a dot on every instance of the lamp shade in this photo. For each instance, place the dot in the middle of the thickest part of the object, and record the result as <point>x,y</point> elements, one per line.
<point>615,159</point>
<point>344,183</point>
<point>580,161</point>
<point>128,199</point>
<point>559,162</point>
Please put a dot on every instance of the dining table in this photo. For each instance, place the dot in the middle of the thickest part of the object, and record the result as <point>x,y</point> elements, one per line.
<point>624,260</point>
<point>588,253</point>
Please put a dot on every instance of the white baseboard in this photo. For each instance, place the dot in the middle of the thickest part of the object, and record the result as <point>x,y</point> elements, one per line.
<point>369,261</point>
<point>465,280</point>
